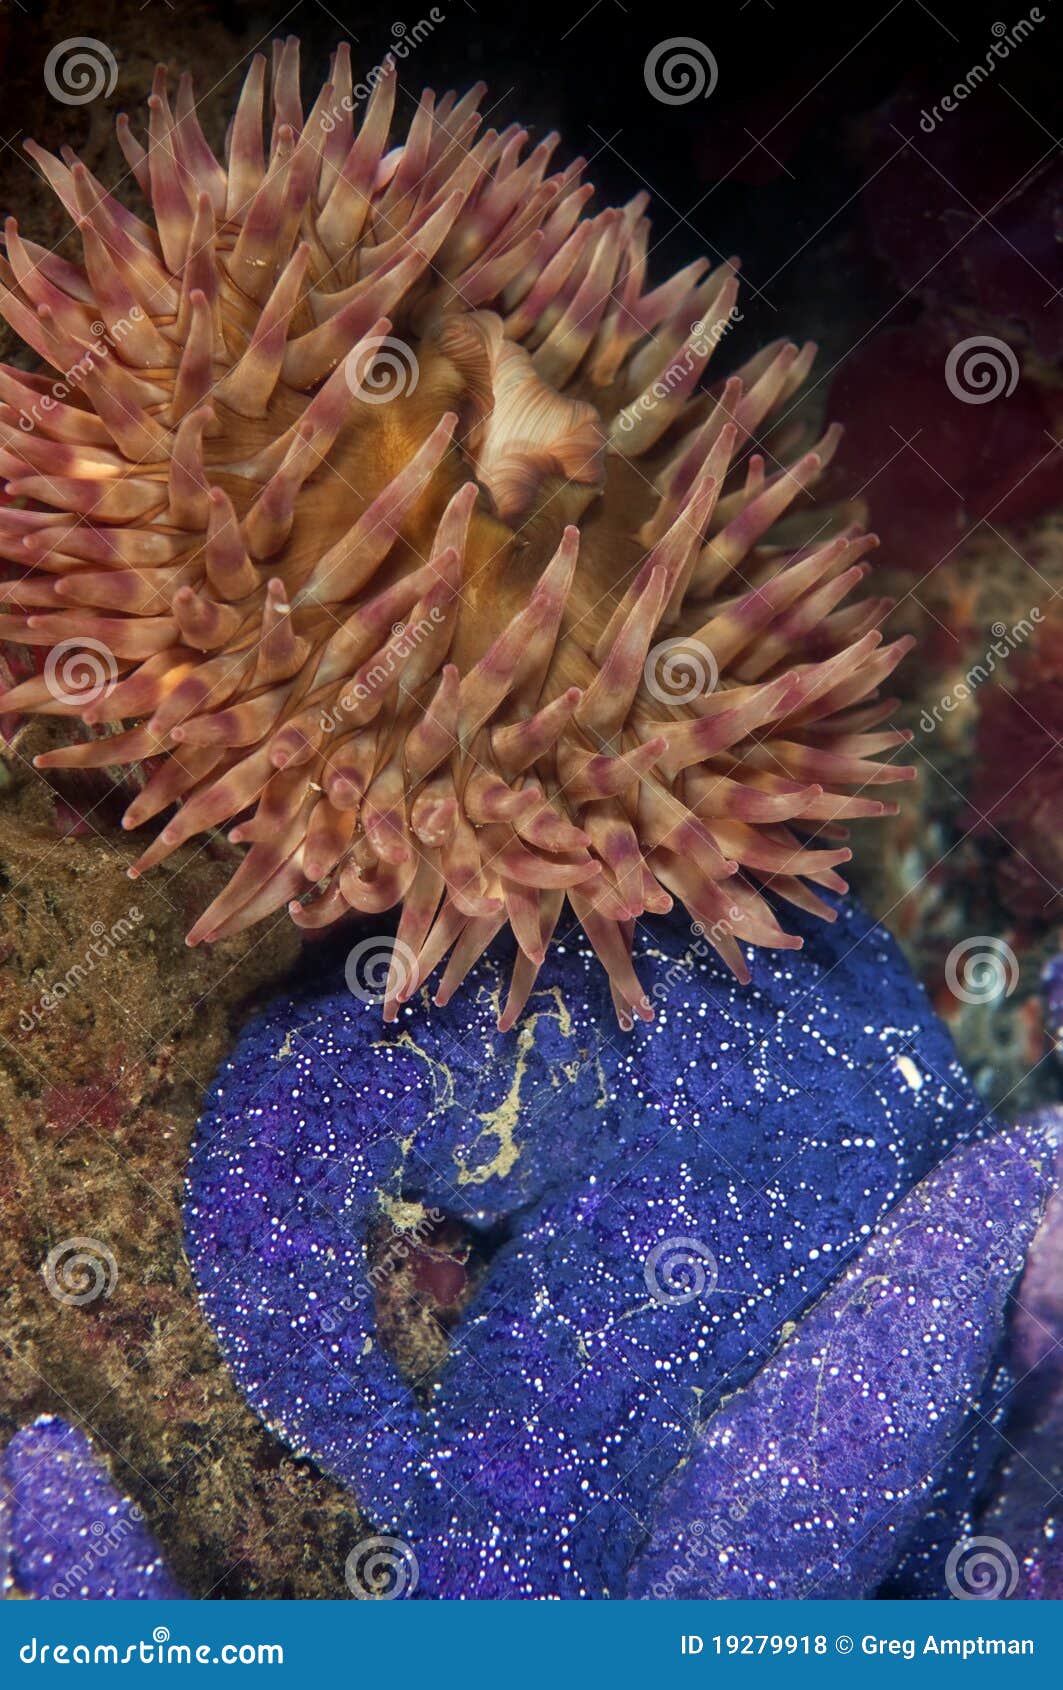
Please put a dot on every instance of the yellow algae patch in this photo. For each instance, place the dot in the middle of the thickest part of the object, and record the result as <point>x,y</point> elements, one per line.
<point>564,1014</point>
<point>500,1123</point>
<point>404,1217</point>
<point>442,1077</point>
<point>604,1094</point>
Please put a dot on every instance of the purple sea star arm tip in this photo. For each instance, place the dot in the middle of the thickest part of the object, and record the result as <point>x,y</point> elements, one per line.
<point>1022,1509</point>
<point>69,1534</point>
<point>808,1481</point>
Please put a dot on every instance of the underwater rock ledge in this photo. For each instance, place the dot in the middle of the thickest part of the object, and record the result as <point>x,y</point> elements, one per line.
<point>656,1212</point>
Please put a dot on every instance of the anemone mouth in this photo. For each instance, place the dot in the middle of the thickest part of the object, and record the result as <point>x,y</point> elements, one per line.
<point>383,515</point>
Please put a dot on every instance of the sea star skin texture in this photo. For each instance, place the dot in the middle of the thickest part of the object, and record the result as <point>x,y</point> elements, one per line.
<point>69,1535</point>
<point>1023,1506</point>
<point>434,651</point>
<point>951,1510</point>
<point>772,1126</point>
<point>808,1480</point>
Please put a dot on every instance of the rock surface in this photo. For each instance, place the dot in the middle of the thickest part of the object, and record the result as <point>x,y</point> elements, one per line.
<point>111,1029</point>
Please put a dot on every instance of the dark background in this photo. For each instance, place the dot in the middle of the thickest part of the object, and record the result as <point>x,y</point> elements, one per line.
<point>856,228</point>
<point>775,159</point>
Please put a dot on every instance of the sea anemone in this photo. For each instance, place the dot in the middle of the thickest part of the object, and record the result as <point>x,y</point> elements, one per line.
<point>380,511</point>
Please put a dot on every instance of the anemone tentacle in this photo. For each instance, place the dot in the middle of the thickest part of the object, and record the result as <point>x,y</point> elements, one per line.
<point>420,553</point>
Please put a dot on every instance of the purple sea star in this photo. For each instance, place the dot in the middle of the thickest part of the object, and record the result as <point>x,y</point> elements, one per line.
<point>657,1212</point>
<point>68,1533</point>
